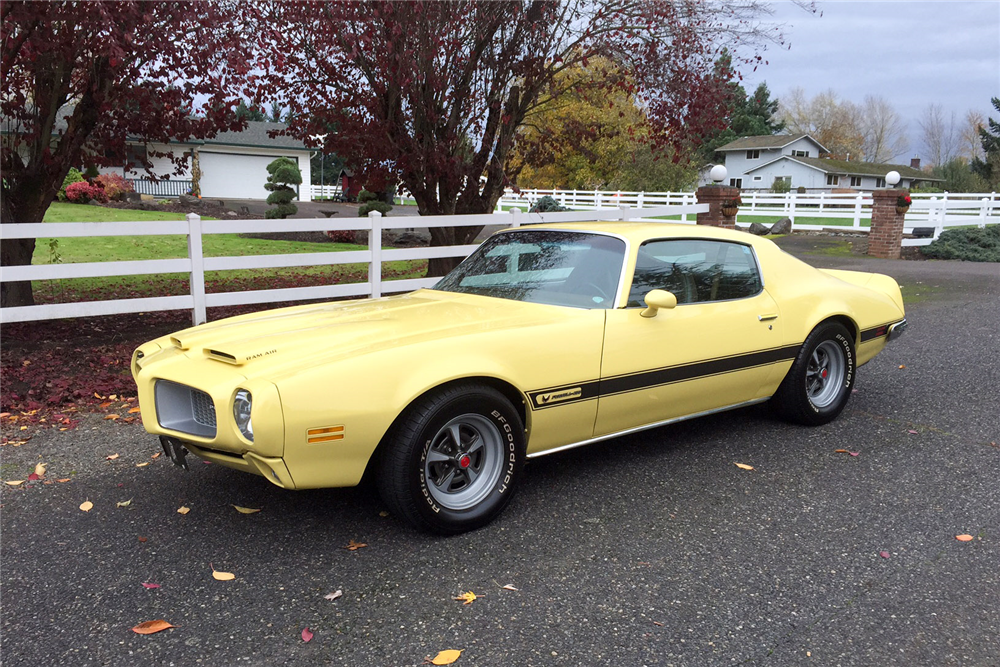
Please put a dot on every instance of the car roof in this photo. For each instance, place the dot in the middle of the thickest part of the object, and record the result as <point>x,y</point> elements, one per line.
<point>638,232</point>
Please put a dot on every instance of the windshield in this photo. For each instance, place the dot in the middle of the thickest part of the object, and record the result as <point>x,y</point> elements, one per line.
<point>559,268</point>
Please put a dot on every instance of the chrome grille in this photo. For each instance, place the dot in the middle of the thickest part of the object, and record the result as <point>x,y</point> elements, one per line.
<point>204,409</point>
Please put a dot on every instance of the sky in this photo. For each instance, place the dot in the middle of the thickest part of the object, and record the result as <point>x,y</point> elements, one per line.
<point>914,54</point>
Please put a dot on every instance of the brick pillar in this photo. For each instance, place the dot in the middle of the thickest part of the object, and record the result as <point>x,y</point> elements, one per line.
<point>714,195</point>
<point>886,236</point>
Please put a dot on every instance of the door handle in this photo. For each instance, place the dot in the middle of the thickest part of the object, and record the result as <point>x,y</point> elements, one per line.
<point>769,316</point>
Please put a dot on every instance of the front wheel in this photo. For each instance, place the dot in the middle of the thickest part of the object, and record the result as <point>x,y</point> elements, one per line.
<point>453,462</point>
<point>819,382</point>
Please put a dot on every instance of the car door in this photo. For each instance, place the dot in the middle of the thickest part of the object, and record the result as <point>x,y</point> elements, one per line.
<point>715,349</point>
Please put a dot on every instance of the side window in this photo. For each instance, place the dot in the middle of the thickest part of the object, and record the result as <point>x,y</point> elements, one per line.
<point>695,270</point>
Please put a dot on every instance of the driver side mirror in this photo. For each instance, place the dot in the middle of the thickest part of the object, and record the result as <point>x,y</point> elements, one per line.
<point>656,299</point>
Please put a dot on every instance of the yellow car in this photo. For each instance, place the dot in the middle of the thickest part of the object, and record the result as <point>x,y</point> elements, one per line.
<point>547,337</point>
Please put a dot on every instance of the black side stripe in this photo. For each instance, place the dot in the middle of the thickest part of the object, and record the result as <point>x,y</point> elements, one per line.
<point>572,393</point>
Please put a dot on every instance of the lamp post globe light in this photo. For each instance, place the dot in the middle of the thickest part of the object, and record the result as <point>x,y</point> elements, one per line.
<point>718,173</point>
<point>892,178</point>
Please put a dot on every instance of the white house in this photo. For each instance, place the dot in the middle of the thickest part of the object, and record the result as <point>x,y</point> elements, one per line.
<point>233,164</point>
<point>754,163</point>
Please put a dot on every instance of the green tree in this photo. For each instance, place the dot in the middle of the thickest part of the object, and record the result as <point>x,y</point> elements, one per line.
<point>284,173</point>
<point>248,112</point>
<point>989,168</point>
<point>959,176</point>
<point>746,115</point>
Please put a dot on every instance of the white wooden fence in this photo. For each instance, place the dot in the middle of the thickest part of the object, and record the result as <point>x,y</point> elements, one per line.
<point>196,264</point>
<point>843,210</point>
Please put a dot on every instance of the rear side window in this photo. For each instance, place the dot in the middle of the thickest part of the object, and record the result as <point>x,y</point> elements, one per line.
<point>695,270</point>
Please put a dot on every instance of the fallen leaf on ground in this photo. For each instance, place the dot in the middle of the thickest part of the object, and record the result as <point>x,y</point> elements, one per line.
<point>183,510</point>
<point>148,585</point>
<point>334,595</point>
<point>306,635</point>
<point>964,538</point>
<point>658,623</point>
<point>149,627</point>
<point>40,469</point>
<point>467,598</point>
<point>134,410</point>
<point>142,465</point>
<point>845,451</point>
<point>104,405</point>
<point>902,366</point>
<point>156,455</point>
<point>446,657</point>
<point>508,587</point>
<point>64,479</point>
<point>112,417</point>
<point>111,458</point>
<point>143,539</point>
<point>32,477</point>
<point>87,506</point>
<point>383,513</point>
<point>222,576</point>
<point>354,546</point>
<point>883,554</point>
<point>912,432</point>
<point>245,510</point>
<point>124,503</point>
<point>15,482</point>
<point>744,466</point>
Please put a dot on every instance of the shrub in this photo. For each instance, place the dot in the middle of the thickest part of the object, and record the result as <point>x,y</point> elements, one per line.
<point>781,185</point>
<point>547,205</point>
<point>284,173</point>
<point>971,244</point>
<point>373,205</point>
<point>341,236</point>
<point>82,192</point>
<point>801,189</point>
<point>366,196</point>
<point>74,176</point>
<point>114,186</point>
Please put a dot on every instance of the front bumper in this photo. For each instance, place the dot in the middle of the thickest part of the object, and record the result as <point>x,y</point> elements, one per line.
<point>273,469</point>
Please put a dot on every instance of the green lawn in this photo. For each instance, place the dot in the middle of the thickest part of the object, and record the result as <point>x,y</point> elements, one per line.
<point>108,249</point>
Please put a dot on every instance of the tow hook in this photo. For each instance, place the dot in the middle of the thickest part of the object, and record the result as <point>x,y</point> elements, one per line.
<point>175,450</point>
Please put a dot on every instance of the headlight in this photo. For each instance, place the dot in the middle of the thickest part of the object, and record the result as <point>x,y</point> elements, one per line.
<point>241,413</point>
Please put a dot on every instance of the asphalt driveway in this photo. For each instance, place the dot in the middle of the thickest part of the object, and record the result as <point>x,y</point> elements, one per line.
<point>653,549</point>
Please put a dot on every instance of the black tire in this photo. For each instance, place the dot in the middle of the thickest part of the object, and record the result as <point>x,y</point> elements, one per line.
<point>453,461</point>
<point>819,382</point>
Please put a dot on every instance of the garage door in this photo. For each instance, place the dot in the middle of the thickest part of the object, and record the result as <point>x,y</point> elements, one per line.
<point>231,176</point>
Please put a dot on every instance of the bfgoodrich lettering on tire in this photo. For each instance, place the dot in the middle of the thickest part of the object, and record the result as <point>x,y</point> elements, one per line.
<point>453,461</point>
<point>819,382</point>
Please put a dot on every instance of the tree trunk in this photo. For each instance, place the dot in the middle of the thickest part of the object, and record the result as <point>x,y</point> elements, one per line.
<point>14,252</point>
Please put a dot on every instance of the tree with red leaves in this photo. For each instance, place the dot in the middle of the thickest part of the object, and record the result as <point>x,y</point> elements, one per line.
<point>432,93</point>
<point>80,77</point>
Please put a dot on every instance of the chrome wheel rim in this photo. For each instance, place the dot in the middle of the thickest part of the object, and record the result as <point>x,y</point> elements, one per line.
<point>464,462</point>
<point>825,373</point>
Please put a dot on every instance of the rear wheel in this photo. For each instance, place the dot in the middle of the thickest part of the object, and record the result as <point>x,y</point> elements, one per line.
<point>819,382</point>
<point>453,461</point>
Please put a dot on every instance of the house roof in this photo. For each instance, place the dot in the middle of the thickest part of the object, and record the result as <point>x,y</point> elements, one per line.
<point>766,141</point>
<point>845,168</point>
<point>255,134</point>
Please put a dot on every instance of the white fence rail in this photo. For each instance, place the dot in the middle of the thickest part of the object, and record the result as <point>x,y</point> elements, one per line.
<point>196,264</point>
<point>326,191</point>
<point>807,211</point>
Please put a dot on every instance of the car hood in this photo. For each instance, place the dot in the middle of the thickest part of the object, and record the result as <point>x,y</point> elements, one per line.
<point>274,340</point>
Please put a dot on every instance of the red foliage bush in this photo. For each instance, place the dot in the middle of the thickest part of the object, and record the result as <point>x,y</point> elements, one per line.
<point>83,192</point>
<point>343,236</point>
<point>114,186</point>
